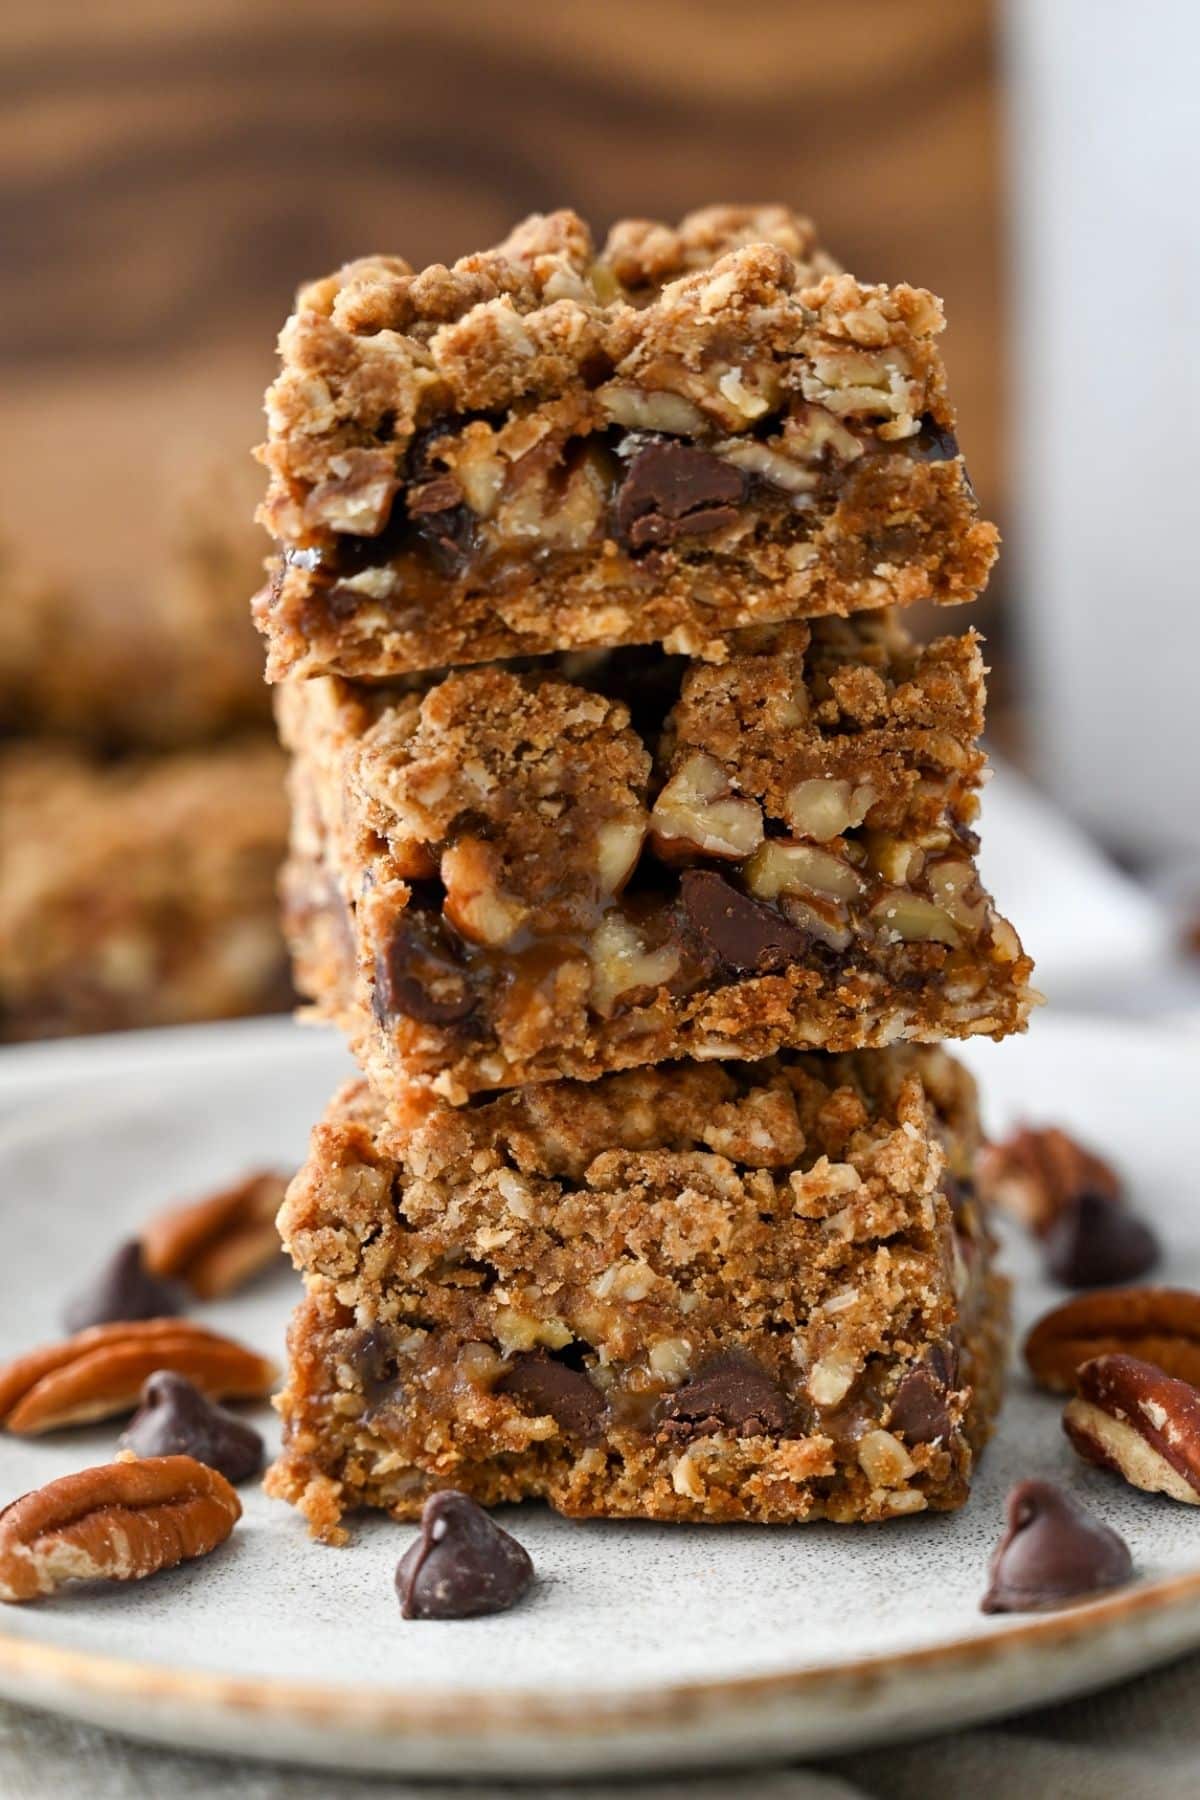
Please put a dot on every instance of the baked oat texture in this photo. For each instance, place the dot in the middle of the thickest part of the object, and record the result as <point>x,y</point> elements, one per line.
<point>139,892</point>
<point>754,1292</point>
<point>515,875</point>
<point>548,446</point>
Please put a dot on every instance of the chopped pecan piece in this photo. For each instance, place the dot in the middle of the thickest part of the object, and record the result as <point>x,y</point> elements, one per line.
<point>218,1243</point>
<point>119,1522</point>
<point>99,1373</point>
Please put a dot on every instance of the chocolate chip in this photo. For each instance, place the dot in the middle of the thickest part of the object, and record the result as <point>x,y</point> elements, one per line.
<point>124,1289</point>
<point>461,1565</point>
<point>675,490</point>
<point>370,1353</point>
<point>1053,1551</point>
<point>730,1393</point>
<point>933,442</point>
<point>919,1411</point>
<point>440,518</point>
<point>176,1419</point>
<point>417,977</point>
<point>1095,1242</point>
<point>545,1384</point>
<point>746,936</point>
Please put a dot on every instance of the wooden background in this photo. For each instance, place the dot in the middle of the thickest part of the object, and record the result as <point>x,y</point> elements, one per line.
<point>168,173</point>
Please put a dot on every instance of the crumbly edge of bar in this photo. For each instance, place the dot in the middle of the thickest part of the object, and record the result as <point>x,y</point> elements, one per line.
<point>622,1243</point>
<point>376,352</point>
<point>378,778</point>
<point>185,849</point>
<point>908,533</point>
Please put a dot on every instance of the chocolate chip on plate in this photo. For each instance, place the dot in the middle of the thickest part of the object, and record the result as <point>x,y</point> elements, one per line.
<point>1095,1242</point>
<point>545,1384</point>
<point>675,490</point>
<point>1054,1551</point>
<point>746,936</point>
<point>124,1289</point>
<point>462,1565</point>
<point>175,1419</point>
<point>730,1393</point>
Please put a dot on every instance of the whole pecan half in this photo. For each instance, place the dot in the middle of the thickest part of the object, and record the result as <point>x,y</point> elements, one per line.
<point>218,1243</point>
<point>1131,1418</point>
<point>99,1372</point>
<point>119,1522</point>
<point>1158,1325</point>
<point>1038,1171</point>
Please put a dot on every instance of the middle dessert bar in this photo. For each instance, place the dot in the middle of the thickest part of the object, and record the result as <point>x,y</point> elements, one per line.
<point>513,875</point>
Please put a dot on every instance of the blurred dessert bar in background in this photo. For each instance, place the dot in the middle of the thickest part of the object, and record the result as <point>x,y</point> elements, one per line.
<point>689,430</point>
<point>505,875</point>
<point>746,1291</point>
<point>139,891</point>
<point>141,791</point>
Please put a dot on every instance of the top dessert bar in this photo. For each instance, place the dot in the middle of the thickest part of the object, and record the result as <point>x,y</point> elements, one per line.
<point>544,447</point>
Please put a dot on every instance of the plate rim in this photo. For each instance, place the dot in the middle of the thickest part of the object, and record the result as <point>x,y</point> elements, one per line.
<point>478,1715</point>
<point>64,1679</point>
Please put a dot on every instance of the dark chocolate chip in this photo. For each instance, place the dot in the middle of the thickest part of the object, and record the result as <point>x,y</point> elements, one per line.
<point>461,1565</point>
<point>176,1419</point>
<point>674,490</point>
<point>124,1289</point>
<point>933,442</point>
<point>959,1191</point>
<point>1095,1242</point>
<point>919,1411</point>
<point>440,518</point>
<point>418,978</point>
<point>730,1393</point>
<point>744,935</point>
<point>545,1384</point>
<point>370,1353</point>
<point>1053,1551</point>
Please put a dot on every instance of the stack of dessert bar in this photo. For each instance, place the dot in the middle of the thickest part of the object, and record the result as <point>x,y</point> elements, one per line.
<point>633,848</point>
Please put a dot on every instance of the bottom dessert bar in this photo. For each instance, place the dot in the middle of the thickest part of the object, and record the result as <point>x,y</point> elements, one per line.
<point>700,1292</point>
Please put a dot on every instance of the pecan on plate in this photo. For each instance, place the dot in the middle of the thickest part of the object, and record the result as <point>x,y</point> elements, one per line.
<point>218,1243</point>
<point>1037,1172</point>
<point>119,1522</point>
<point>1129,1417</point>
<point>99,1372</point>
<point>1158,1325</point>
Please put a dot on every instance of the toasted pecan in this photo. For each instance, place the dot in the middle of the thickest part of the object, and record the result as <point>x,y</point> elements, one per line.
<point>1143,1425</point>
<point>99,1372</point>
<point>1158,1325</point>
<point>121,1521</point>
<point>1039,1170</point>
<point>221,1241</point>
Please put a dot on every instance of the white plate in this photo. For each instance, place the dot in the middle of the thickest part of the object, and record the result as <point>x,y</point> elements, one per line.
<point>642,1646</point>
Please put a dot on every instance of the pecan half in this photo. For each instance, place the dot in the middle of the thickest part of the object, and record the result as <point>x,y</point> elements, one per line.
<point>99,1372</point>
<point>1037,1172</point>
<point>1131,1418</point>
<point>1159,1325</point>
<point>119,1522</point>
<point>218,1243</point>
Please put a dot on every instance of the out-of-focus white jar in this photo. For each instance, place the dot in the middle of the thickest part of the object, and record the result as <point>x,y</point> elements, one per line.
<point>1105,127</point>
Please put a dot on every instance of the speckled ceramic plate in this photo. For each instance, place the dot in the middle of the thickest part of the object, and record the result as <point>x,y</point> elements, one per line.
<point>642,1646</point>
